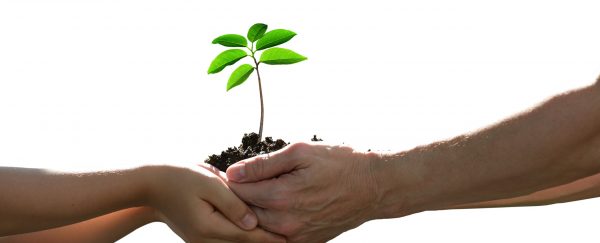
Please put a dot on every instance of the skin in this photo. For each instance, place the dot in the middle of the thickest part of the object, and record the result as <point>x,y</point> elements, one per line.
<point>581,189</point>
<point>106,228</point>
<point>324,190</point>
<point>193,201</point>
<point>116,225</point>
<point>312,193</point>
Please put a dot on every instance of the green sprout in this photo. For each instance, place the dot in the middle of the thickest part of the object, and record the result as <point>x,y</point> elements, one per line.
<point>265,41</point>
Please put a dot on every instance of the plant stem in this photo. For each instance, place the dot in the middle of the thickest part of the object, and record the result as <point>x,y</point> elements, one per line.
<point>262,106</point>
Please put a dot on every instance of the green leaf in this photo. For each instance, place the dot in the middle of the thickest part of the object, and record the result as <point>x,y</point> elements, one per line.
<point>277,56</point>
<point>231,40</point>
<point>239,75</point>
<point>256,32</point>
<point>273,38</point>
<point>226,58</point>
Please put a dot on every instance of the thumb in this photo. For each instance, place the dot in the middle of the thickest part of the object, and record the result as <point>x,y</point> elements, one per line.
<point>232,207</point>
<point>263,166</point>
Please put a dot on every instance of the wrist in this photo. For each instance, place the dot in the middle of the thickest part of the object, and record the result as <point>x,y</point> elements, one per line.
<point>399,184</point>
<point>148,179</point>
<point>144,215</point>
<point>152,215</point>
<point>161,184</point>
<point>130,187</point>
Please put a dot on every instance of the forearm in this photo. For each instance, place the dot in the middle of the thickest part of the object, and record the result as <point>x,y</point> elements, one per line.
<point>34,199</point>
<point>553,144</point>
<point>106,228</point>
<point>581,189</point>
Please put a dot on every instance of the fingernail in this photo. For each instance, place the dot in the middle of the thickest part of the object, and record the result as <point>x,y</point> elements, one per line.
<point>239,172</point>
<point>249,221</point>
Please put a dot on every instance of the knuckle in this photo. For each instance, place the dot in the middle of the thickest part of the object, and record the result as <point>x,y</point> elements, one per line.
<point>344,148</point>
<point>257,167</point>
<point>298,149</point>
<point>281,198</point>
<point>214,180</point>
<point>235,209</point>
<point>218,188</point>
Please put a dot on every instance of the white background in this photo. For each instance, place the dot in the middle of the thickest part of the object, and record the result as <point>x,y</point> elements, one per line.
<point>104,84</point>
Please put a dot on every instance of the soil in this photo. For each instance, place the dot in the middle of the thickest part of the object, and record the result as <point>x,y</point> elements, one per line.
<point>248,149</point>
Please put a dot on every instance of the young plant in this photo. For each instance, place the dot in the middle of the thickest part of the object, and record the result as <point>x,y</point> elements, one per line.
<point>260,40</point>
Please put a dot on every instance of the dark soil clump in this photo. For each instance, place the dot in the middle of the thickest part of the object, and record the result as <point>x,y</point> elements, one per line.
<point>249,148</point>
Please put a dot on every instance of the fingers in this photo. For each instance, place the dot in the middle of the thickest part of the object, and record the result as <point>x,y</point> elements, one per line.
<point>278,222</point>
<point>265,166</point>
<point>222,229</point>
<point>267,193</point>
<point>214,170</point>
<point>204,224</point>
<point>230,205</point>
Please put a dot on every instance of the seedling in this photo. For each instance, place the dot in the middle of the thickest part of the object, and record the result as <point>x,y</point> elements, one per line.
<point>260,40</point>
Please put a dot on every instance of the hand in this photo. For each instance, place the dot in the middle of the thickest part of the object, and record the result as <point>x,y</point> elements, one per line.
<point>309,193</point>
<point>199,207</point>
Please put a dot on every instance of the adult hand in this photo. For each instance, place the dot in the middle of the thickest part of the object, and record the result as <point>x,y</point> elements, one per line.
<point>309,193</point>
<point>198,206</point>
